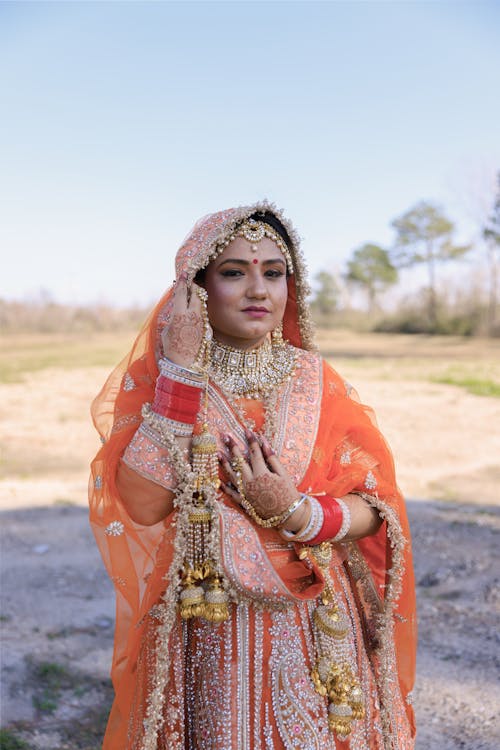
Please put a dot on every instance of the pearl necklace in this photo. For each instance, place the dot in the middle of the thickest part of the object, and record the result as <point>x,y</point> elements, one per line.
<point>255,373</point>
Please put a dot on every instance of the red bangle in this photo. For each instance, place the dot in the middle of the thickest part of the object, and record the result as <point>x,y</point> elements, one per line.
<point>180,416</point>
<point>167,385</point>
<point>165,401</point>
<point>176,401</point>
<point>333,517</point>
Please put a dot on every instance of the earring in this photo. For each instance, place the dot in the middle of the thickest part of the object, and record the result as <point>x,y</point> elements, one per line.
<point>277,334</point>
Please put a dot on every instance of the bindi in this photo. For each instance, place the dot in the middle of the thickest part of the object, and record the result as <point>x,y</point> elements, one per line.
<point>255,260</point>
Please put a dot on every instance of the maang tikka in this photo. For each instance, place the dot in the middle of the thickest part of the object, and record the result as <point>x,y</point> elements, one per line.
<point>254,231</point>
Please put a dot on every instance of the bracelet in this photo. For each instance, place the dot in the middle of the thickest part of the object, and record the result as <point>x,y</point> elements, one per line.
<point>298,534</point>
<point>168,386</point>
<point>186,411</point>
<point>312,526</point>
<point>269,523</point>
<point>179,373</point>
<point>337,521</point>
<point>315,522</point>
<point>163,424</point>
<point>346,521</point>
<point>176,401</point>
<point>332,520</point>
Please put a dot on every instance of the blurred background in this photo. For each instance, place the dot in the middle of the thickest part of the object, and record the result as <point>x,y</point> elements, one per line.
<point>374,125</point>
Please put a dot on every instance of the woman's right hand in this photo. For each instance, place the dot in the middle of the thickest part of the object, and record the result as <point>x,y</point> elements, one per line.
<point>183,335</point>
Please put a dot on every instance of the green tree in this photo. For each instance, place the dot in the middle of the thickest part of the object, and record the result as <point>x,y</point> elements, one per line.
<point>424,235</point>
<point>370,267</point>
<point>491,234</point>
<point>326,298</point>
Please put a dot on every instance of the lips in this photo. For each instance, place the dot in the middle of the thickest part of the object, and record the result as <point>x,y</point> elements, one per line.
<point>255,311</point>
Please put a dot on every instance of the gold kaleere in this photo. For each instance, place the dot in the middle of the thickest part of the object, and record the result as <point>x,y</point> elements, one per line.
<point>333,675</point>
<point>202,594</point>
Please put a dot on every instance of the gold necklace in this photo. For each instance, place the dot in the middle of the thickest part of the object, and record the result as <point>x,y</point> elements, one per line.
<point>255,373</point>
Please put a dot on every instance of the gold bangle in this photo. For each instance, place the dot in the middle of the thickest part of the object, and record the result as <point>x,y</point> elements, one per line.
<point>269,523</point>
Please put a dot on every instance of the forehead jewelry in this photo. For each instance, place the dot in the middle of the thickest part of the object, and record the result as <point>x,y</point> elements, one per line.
<point>254,231</point>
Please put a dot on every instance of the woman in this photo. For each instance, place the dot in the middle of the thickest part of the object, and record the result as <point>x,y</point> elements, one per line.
<point>245,506</point>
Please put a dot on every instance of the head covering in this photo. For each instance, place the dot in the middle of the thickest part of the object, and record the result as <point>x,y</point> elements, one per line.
<point>111,410</point>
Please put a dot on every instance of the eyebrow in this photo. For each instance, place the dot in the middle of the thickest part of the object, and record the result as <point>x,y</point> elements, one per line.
<point>242,262</point>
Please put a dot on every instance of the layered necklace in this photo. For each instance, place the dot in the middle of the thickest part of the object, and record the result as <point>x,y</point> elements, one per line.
<point>256,373</point>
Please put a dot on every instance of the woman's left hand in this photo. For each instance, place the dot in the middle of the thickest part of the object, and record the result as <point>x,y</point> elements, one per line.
<point>265,482</point>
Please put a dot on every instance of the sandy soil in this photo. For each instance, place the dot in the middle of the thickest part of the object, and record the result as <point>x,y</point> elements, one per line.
<point>57,604</point>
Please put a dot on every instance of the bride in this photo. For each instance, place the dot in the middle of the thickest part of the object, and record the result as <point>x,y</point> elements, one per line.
<point>246,509</point>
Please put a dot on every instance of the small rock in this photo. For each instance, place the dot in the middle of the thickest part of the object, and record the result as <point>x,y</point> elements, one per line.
<point>104,622</point>
<point>40,549</point>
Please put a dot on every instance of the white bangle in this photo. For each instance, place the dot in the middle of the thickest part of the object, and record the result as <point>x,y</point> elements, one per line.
<point>312,527</point>
<point>180,374</point>
<point>346,521</point>
<point>315,523</point>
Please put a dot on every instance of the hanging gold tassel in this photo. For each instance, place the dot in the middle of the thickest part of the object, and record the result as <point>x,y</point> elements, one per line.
<point>205,461</point>
<point>202,594</point>
<point>216,602</point>
<point>191,600</point>
<point>211,603</point>
<point>332,675</point>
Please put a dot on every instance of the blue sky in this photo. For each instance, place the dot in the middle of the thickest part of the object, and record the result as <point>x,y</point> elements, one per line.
<point>122,123</point>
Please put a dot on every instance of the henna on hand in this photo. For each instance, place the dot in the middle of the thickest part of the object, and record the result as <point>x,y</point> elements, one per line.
<point>184,334</point>
<point>269,494</point>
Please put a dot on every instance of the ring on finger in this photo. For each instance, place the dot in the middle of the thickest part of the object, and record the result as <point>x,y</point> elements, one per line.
<point>237,463</point>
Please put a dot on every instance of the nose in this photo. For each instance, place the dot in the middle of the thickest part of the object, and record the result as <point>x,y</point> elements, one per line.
<point>256,287</point>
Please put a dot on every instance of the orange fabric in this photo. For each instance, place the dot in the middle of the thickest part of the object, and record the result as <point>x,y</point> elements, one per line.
<point>138,558</point>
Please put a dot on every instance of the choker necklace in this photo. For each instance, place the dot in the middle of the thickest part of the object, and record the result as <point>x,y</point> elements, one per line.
<point>253,373</point>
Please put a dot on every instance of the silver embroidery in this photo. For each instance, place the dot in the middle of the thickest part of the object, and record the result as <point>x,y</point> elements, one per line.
<point>98,482</point>
<point>299,712</point>
<point>243,677</point>
<point>345,458</point>
<point>370,481</point>
<point>128,382</point>
<point>115,528</point>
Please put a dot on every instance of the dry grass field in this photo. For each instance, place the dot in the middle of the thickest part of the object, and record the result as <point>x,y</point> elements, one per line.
<point>438,403</point>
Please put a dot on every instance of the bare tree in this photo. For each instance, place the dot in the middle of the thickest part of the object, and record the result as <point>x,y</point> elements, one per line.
<point>370,267</point>
<point>424,235</point>
<point>491,235</point>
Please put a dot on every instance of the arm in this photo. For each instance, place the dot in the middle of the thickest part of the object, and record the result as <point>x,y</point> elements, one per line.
<point>262,485</point>
<point>365,520</point>
<point>147,501</point>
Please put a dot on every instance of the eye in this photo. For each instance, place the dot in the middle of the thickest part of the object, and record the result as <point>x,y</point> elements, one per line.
<point>231,272</point>
<point>274,273</point>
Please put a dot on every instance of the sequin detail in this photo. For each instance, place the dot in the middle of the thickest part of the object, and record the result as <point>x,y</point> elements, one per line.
<point>128,382</point>
<point>345,458</point>
<point>115,528</point>
<point>98,482</point>
<point>370,481</point>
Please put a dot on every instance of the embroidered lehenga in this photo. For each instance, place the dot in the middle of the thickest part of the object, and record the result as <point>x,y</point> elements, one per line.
<point>247,683</point>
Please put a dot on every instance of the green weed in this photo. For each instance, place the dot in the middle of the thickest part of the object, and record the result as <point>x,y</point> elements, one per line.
<point>50,679</point>
<point>9,741</point>
<point>476,386</point>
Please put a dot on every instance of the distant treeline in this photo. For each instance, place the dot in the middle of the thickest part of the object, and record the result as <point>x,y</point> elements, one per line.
<point>50,317</point>
<point>423,237</point>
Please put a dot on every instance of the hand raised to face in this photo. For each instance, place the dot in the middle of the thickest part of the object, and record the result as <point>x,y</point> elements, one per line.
<point>184,333</point>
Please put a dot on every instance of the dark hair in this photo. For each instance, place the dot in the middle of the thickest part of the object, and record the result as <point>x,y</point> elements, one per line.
<point>268,218</point>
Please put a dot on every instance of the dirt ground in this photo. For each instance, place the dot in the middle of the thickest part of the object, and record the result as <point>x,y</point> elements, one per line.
<point>57,609</point>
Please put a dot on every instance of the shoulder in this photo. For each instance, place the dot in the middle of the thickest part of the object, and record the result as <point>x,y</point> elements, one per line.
<point>333,382</point>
